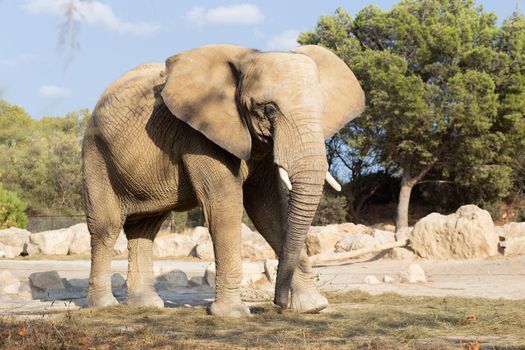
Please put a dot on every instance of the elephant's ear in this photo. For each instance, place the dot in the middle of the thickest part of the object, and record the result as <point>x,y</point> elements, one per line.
<point>345,100</point>
<point>200,90</point>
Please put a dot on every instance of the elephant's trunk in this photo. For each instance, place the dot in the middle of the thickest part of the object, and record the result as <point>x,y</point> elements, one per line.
<point>301,152</point>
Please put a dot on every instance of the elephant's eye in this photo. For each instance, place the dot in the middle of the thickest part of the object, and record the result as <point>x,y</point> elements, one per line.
<point>270,111</point>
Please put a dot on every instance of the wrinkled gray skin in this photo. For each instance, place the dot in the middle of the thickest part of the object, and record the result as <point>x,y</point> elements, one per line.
<point>211,127</point>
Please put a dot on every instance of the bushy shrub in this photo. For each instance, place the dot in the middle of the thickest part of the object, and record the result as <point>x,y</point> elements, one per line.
<point>12,210</point>
<point>332,210</point>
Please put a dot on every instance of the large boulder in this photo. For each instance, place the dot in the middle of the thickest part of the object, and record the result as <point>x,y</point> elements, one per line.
<point>173,245</point>
<point>46,284</point>
<point>384,237</point>
<point>254,246</point>
<point>467,234</point>
<point>322,239</point>
<point>355,242</point>
<point>200,234</point>
<point>8,252</point>
<point>9,284</point>
<point>204,251</point>
<point>55,242</point>
<point>349,228</point>
<point>17,238</point>
<point>81,242</point>
<point>513,236</point>
<point>171,280</point>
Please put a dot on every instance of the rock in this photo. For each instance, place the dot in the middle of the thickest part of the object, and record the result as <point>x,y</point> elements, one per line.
<point>9,284</point>
<point>349,228</point>
<point>390,228</point>
<point>45,284</point>
<point>30,249</point>
<point>400,253</point>
<point>200,234</point>
<point>204,251</point>
<point>384,237</point>
<point>81,242</point>
<point>270,269</point>
<point>173,279</point>
<point>173,245</point>
<point>79,282</point>
<point>404,233</point>
<point>322,239</point>
<point>413,274</point>
<point>209,274</point>
<point>254,246</point>
<point>9,252</point>
<point>354,242</point>
<point>196,281</point>
<point>117,281</point>
<point>121,245</point>
<point>370,279</point>
<point>513,235</point>
<point>467,234</point>
<point>388,279</point>
<point>16,238</point>
<point>55,242</point>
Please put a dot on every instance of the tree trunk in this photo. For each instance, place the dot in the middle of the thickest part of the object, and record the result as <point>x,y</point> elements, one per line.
<point>407,184</point>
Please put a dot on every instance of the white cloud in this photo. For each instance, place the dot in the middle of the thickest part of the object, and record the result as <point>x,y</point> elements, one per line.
<point>241,14</point>
<point>53,91</point>
<point>93,13</point>
<point>283,41</point>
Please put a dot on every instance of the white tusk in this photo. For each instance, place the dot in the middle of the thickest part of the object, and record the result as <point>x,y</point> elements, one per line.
<point>333,182</point>
<point>283,174</point>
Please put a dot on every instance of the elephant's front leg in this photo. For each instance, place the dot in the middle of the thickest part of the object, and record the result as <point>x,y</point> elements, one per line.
<point>219,190</point>
<point>266,205</point>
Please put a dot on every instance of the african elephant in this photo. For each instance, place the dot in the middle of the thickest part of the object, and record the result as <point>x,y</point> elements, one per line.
<point>218,126</point>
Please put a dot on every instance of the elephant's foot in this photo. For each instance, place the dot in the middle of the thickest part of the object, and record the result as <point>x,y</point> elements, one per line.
<point>309,301</point>
<point>229,310</point>
<point>98,300</point>
<point>146,299</point>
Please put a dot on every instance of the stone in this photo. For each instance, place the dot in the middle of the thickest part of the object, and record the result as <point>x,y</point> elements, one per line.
<point>81,242</point>
<point>384,237</point>
<point>117,281</point>
<point>9,252</point>
<point>270,269</point>
<point>54,242</point>
<point>204,251</point>
<point>354,242</point>
<point>389,227</point>
<point>173,279</point>
<point>15,237</point>
<point>121,245</point>
<point>200,234</point>
<point>79,282</point>
<point>404,233</point>
<point>370,279</point>
<point>322,239</point>
<point>513,236</point>
<point>349,228</point>
<point>467,234</point>
<point>174,245</point>
<point>45,284</point>
<point>9,284</point>
<point>388,279</point>
<point>254,246</point>
<point>400,253</point>
<point>31,249</point>
<point>413,274</point>
<point>196,281</point>
<point>252,273</point>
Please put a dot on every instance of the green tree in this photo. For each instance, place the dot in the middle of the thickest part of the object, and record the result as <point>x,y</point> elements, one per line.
<point>431,71</point>
<point>12,210</point>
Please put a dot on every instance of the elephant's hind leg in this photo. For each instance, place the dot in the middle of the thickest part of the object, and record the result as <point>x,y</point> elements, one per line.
<point>265,204</point>
<point>141,233</point>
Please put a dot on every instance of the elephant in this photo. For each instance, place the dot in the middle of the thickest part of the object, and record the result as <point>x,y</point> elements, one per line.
<point>228,128</point>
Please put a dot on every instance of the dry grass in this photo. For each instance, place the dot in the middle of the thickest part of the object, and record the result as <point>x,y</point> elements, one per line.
<point>357,321</point>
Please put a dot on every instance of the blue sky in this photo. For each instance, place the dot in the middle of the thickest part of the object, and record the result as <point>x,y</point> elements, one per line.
<point>115,36</point>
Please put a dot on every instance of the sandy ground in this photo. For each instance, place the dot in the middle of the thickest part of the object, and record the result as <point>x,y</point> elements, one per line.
<point>498,278</point>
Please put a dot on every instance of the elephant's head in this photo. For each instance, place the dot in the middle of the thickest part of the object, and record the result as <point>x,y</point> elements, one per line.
<point>288,103</point>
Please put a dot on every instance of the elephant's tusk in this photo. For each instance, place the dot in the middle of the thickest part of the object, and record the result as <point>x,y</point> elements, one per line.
<point>333,182</point>
<point>283,174</point>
